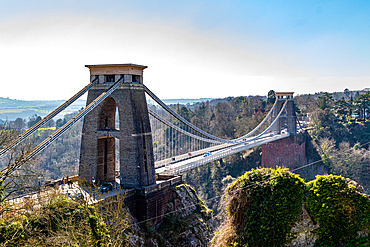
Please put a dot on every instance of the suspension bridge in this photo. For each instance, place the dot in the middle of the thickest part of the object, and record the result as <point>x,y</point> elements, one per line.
<point>127,128</point>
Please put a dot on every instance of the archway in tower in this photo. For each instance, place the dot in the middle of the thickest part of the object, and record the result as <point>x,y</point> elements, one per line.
<point>106,160</point>
<point>108,146</point>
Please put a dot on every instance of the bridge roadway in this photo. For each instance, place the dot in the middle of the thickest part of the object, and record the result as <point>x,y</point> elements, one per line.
<point>178,164</point>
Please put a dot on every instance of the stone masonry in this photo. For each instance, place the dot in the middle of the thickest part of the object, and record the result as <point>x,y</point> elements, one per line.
<point>97,158</point>
<point>288,118</point>
<point>287,152</point>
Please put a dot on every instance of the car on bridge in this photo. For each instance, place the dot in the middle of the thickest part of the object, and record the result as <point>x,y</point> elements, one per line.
<point>207,154</point>
<point>105,187</point>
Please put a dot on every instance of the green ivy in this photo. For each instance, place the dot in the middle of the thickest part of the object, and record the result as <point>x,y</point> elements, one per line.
<point>264,204</point>
<point>98,231</point>
<point>339,210</point>
<point>57,216</point>
<point>201,207</point>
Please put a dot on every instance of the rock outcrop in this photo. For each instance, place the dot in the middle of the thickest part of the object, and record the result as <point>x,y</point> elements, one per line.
<point>305,226</point>
<point>187,222</point>
<point>304,229</point>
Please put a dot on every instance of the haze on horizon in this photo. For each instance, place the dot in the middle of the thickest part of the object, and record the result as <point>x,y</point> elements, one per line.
<point>193,49</point>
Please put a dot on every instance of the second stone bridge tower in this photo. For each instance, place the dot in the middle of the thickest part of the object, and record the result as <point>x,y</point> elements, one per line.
<point>130,133</point>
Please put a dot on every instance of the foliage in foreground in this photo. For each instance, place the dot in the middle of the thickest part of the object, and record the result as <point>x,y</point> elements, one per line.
<point>358,242</point>
<point>61,222</point>
<point>264,204</point>
<point>339,209</point>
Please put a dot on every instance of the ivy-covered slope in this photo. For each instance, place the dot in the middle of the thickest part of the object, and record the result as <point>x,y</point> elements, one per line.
<point>265,209</point>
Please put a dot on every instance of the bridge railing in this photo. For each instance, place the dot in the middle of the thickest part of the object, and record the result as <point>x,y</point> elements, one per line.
<point>240,146</point>
<point>178,158</point>
<point>173,169</point>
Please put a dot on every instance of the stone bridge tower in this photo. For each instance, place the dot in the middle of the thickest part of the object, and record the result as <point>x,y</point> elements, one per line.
<point>102,133</point>
<point>287,152</point>
<point>288,119</point>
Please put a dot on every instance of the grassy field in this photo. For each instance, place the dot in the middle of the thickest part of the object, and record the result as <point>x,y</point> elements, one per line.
<point>10,109</point>
<point>19,110</point>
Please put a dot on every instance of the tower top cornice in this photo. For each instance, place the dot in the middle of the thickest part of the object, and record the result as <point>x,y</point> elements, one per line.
<point>116,69</point>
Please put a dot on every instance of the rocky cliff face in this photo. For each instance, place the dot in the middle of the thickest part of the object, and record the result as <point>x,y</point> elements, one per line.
<point>305,226</point>
<point>187,222</point>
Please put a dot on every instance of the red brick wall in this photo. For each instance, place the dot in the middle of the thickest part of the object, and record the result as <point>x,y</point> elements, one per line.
<point>288,152</point>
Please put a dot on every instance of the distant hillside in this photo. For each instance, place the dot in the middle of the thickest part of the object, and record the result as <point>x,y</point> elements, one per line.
<point>10,109</point>
<point>185,101</point>
<point>6,103</point>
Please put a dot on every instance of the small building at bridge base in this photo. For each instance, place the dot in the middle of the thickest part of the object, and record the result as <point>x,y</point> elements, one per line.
<point>288,152</point>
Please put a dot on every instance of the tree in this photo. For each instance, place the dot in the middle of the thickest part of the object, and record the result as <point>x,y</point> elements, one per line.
<point>2,197</point>
<point>325,101</point>
<point>340,211</point>
<point>326,148</point>
<point>306,103</point>
<point>16,174</point>
<point>343,108</point>
<point>224,120</point>
<point>60,122</point>
<point>19,123</point>
<point>347,93</point>
<point>262,206</point>
<point>357,95</point>
<point>183,112</point>
<point>363,104</point>
<point>271,97</point>
<point>33,120</point>
<point>50,123</point>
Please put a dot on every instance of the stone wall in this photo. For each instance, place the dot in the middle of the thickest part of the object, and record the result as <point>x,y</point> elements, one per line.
<point>288,152</point>
<point>151,202</point>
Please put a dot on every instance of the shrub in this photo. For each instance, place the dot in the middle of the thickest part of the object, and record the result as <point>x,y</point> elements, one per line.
<point>340,210</point>
<point>60,222</point>
<point>263,205</point>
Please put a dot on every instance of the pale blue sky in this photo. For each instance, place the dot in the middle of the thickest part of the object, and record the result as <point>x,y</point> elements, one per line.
<point>192,49</point>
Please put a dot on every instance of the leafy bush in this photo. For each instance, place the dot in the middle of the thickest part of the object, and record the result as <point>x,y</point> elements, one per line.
<point>61,222</point>
<point>263,205</point>
<point>340,210</point>
<point>98,230</point>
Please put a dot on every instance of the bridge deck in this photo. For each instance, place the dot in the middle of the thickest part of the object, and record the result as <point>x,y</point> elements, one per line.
<point>225,150</point>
